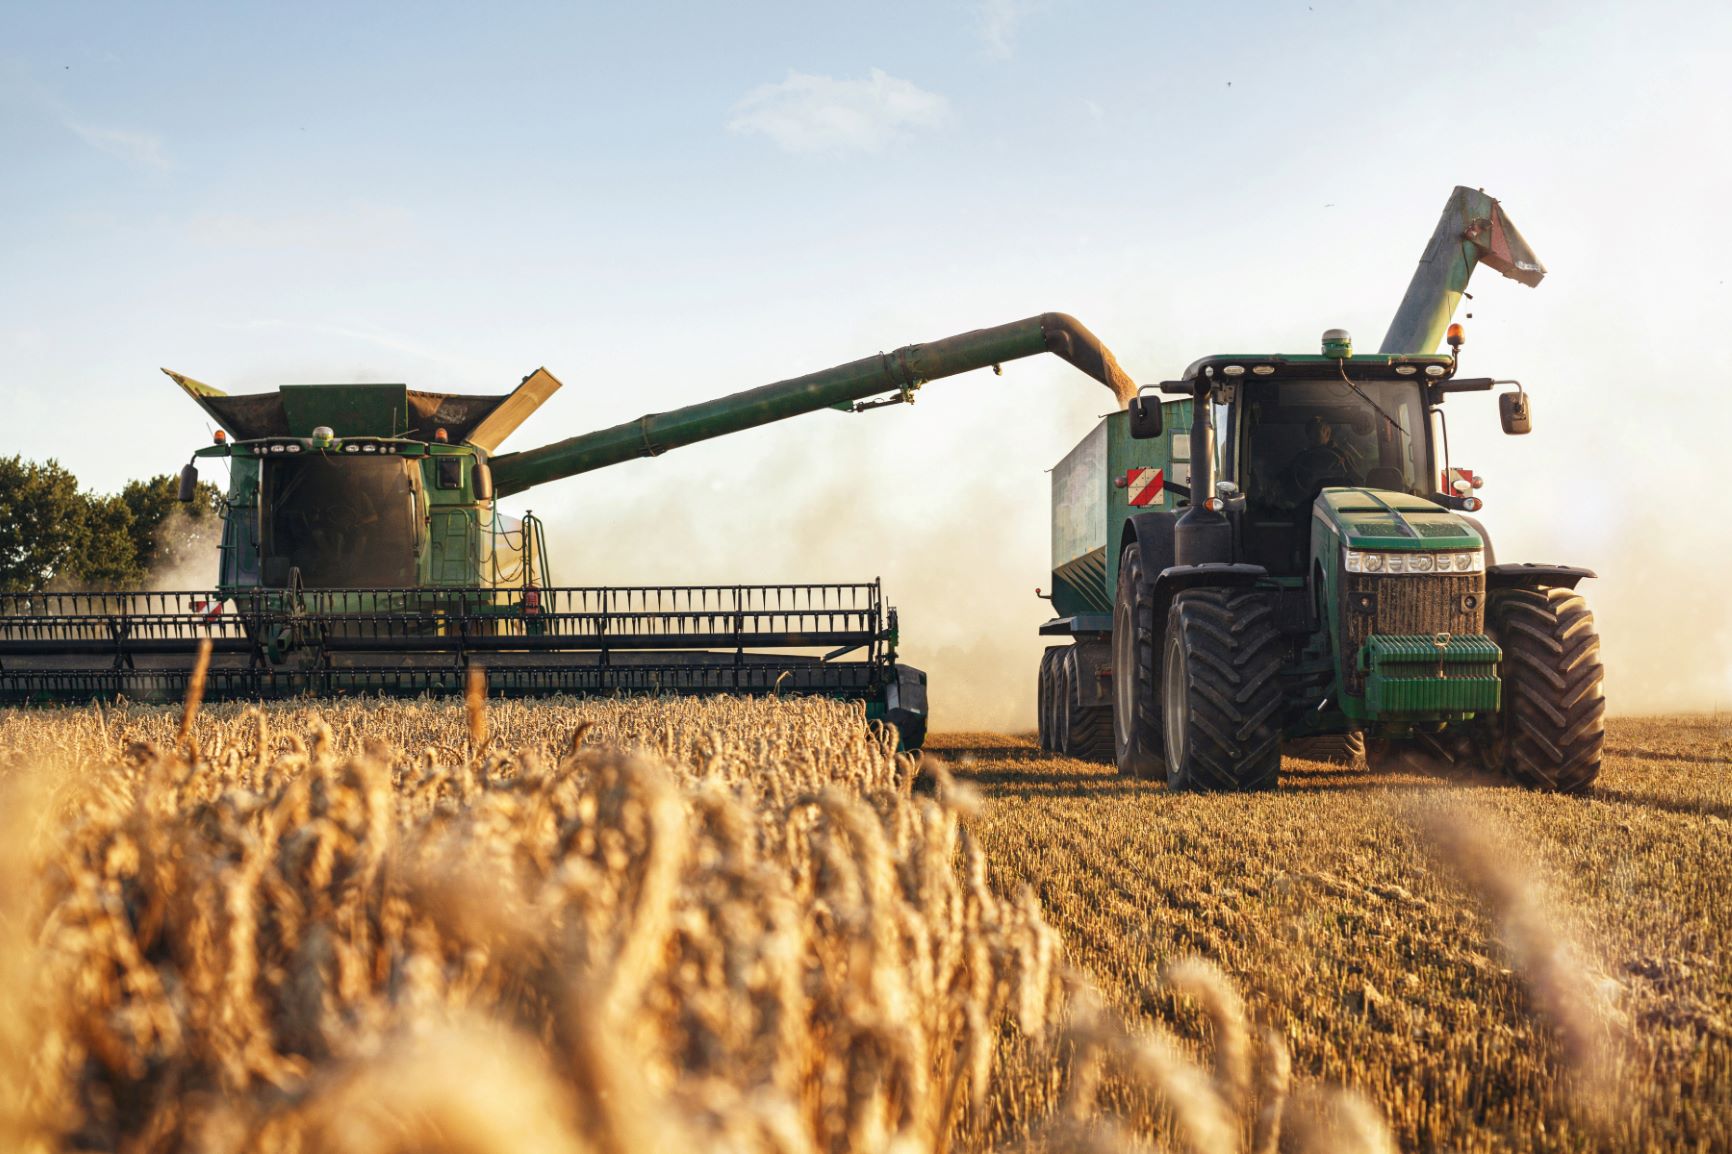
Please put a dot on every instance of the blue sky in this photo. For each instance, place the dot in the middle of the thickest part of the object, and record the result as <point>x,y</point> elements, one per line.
<point>666,202</point>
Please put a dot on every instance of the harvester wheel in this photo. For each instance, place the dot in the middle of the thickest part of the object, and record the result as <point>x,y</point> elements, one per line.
<point>1551,730</point>
<point>1136,713</point>
<point>1342,749</point>
<point>1044,696</point>
<point>1088,729</point>
<point>1221,692</point>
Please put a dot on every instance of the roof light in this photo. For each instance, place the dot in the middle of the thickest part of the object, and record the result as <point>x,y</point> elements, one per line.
<point>1234,370</point>
<point>1263,370</point>
<point>276,448</point>
<point>1435,370</point>
<point>1406,370</point>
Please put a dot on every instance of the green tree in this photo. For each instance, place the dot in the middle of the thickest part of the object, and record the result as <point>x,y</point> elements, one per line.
<point>103,556</point>
<point>41,518</point>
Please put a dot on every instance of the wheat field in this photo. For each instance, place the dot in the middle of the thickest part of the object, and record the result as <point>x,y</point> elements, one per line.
<point>1496,969</point>
<point>739,925</point>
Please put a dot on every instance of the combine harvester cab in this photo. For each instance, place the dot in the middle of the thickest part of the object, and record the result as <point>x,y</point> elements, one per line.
<point>362,554</point>
<point>1287,554</point>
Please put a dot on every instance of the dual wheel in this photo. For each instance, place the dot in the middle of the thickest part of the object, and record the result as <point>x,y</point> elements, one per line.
<point>1197,696</point>
<point>1071,723</point>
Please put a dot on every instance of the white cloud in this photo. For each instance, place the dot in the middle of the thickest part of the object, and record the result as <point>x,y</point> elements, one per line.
<point>807,113</point>
<point>137,147</point>
<point>999,21</point>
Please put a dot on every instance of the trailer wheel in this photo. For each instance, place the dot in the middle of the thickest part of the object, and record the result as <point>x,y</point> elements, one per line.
<point>1060,731</point>
<point>1220,691</point>
<point>1135,711</point>
<point>1552,729</point>
<point>1088,729</point>
<point>1044,696</point>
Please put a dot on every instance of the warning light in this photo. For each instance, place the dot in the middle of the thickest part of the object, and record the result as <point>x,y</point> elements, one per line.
<point>1456,336</point>
<point>219,436</point>
<point>441,436</point>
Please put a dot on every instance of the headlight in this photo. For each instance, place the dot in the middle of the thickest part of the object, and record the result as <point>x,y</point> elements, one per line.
<point>1463,561</point>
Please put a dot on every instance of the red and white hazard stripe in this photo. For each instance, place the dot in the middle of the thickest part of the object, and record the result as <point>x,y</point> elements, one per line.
<point>1144,486</point>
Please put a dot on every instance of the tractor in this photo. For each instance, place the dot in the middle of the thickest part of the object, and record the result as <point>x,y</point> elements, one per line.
<point>1285,554</point>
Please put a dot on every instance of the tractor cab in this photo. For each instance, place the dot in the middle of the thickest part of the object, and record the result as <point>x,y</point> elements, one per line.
<point>1286,428</point>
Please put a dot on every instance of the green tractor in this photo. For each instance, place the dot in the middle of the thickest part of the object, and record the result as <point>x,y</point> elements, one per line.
<point>1286,555</point>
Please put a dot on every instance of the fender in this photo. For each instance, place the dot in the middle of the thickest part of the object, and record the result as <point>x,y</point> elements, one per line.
<point>1153,535</point>
<point>1215,575</point>
<point>1528,575</point>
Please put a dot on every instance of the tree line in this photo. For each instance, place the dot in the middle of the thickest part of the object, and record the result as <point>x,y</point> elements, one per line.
<point>56,535</point>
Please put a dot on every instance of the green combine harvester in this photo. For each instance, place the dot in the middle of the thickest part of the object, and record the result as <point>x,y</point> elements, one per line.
<point>1286,554</point>
<point>362,553</point>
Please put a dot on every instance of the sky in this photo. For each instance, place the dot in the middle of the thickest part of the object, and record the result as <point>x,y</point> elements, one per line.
<point>667,202</point>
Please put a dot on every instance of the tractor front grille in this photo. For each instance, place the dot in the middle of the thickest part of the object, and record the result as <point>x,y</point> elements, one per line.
<point>1409,604</point>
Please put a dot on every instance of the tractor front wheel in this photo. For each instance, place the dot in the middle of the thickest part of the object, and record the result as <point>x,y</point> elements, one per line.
<point>1220,691</point>
<point>1552,729</point>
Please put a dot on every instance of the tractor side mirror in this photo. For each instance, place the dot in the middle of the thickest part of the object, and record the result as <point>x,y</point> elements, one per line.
<point>188,484</point>
<point>1145,418</point>
<point>482,479</point>
<point>1513,411</point>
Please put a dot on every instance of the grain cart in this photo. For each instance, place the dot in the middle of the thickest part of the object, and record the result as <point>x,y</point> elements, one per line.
<point>1286,552</point>
<point>361,553</point>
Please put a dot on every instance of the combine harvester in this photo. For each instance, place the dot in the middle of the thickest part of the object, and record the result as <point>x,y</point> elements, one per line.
<point>361,553</point>
<point>1286,553</point>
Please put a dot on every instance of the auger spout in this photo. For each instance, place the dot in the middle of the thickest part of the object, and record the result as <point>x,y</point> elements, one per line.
<point>1473,228</point>
<point>907,367</point>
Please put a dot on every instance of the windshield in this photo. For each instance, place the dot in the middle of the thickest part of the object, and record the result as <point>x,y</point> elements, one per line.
<point>346,522</point>
<point>1301,436</point>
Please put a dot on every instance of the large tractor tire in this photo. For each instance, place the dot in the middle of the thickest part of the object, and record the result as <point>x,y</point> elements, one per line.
<point>1044,696</point>
<point>1340,749</point>
<point>1137,747</point>
<point>1088,729</point>
<point>1221,692</point>
<point>1551,730</point>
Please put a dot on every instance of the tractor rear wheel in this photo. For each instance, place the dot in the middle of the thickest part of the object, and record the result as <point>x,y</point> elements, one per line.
<point>1552,729</point>
<point>1044,696</point>
<point>1088,728</point>
<point>1136,638</point>
<point>1221,692</point>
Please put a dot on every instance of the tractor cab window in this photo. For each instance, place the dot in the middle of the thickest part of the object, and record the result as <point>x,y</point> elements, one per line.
<point>344,522</point>
<point>1303,436</point>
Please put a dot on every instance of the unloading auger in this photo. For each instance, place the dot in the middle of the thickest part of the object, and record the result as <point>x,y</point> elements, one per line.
<point>361,553</point>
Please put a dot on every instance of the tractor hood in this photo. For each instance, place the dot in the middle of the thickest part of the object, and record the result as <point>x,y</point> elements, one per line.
<point>1383,519</point>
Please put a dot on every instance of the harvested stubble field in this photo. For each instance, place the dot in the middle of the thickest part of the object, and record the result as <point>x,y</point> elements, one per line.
<point>734,925</point>
<point>1495,969</point>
